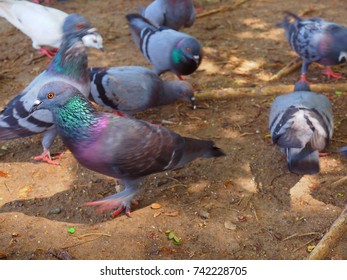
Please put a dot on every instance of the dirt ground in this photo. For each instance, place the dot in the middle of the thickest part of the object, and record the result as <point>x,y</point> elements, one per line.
<point>246,205</point>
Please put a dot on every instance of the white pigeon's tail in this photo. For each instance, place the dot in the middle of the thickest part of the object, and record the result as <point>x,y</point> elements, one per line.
<point>5,8</point>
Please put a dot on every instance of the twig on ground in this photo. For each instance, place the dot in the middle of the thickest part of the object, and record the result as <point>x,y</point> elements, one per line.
<point>222,9</point>
<point>289,68</point>
<point>339,182</point>
<point>83,242</point>
<point>94,233</point>
<point>266,90</point>
<point>301,235</point>
<point>311,240</point>
<point>331,238</point>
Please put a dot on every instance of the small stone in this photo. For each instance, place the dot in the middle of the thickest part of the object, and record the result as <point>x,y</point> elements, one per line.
<point>229,225</point>
<point>204,214</point>
<point>54,211</point>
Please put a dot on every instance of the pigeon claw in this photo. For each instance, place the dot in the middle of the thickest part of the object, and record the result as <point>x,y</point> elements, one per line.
<point>330,73</point>
<point>46,157</point>
<point>118,113</point>
<point>50,54</point>
<point>119,210</point>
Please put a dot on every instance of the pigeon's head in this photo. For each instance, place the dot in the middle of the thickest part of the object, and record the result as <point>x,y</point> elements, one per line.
<point>93,40</point>
<point>55,95</point>
<point>184,91</point>
<point>187,55</point>
<point>76,26</point>
<point>75,23</point>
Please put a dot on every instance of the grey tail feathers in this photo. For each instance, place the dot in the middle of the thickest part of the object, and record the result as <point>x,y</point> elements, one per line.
<point>303,161</point>
<point>286,23</point>
<point>7,133</point>
<point>290,14</point>
<point>194,148</point>
<point>202,148</point>
<point>131,17</point>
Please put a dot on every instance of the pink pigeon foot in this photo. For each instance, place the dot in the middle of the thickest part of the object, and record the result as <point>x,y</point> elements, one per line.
<point>117,113</point>
<point>330,73</point>
<point>121,201</point>
<point>46,157</point>
<point>50,53</point>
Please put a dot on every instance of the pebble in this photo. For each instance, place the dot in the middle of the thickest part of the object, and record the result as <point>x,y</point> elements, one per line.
<point>229,225</point>
<point>54,211</point>
<point>204,214</point>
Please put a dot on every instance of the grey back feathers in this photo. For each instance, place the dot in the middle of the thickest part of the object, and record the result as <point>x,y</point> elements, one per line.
<point>166,49</point>
<point>173,14</point>
<point>131,89</point>
<point>301,123</point>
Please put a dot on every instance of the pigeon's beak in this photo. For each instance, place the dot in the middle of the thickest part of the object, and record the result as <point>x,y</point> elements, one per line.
<point>196,59</point>
<point>192,101</point>
<point>36,106</point>
<point>102,49</point>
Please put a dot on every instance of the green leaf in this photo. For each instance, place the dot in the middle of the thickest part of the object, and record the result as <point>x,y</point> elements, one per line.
<point>338,92</point>
<point>340,194</point>
<point>171,235</point>
<point>310,248</point>
<point>177,239</point>
<point>71,230</point>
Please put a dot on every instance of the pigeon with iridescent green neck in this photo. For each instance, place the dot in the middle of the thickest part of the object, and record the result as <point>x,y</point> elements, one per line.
<point>69,65</point>
<point>166,49</point>
<point>132,89</point>
<point>121,147</point>
<point>171,13</point>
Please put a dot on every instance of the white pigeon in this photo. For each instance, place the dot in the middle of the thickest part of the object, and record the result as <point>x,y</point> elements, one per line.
<point>42,24</point>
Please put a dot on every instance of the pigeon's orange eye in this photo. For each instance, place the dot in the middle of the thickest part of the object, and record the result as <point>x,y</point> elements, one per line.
<point>80,26</point>
<point>188,49</point>
<point>50,95</point>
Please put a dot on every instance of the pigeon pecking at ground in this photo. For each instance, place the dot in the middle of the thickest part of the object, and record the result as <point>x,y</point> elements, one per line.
<point>166,49</point>
<point>121,147</point>
<point>301,123</point>
<point>132,89</point>
<point>316,40</point>
<point>69,65</point>
<point>42,24</point>
<point>171,13</point>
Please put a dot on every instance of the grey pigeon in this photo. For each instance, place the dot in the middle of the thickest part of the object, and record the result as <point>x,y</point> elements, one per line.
<point>301,123</point>
<point>120,147</point>
<point>132,89</point>
<point>171,13</point>
<point>44,25</point>
<point>316,40</point>
<point>166,49</point>
<point>70,65</point>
